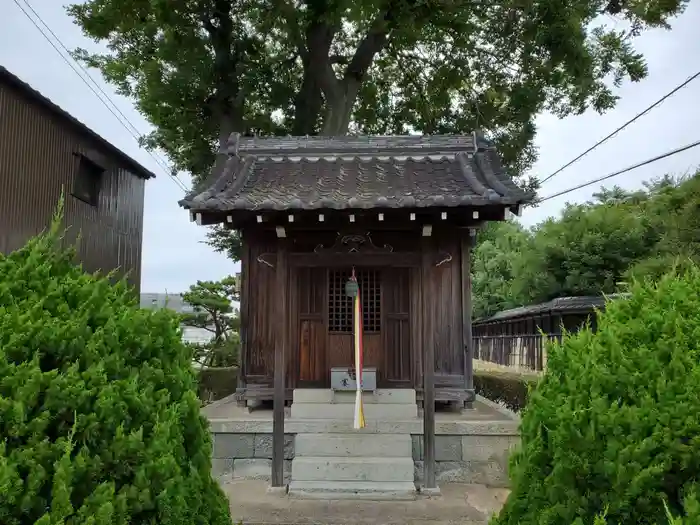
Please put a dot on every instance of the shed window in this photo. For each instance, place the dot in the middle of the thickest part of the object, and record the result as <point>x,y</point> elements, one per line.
<point>88,181</point>
<point>340,305</point>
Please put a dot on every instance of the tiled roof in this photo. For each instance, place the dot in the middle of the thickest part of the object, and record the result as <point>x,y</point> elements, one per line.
<point>313,173</point>
<point>561,304</point>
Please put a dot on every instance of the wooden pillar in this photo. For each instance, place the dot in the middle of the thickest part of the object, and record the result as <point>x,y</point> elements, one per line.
<point>281,342</point>
<point>466,243</point>
<point>429,481</point>
<point>243,329</point>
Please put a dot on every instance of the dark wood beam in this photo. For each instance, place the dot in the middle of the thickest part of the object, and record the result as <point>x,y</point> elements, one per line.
<point>468,345</point>
<point>398,259</point>
<point>429,481</point>
<point>281,342</point>
<point>388,218</point>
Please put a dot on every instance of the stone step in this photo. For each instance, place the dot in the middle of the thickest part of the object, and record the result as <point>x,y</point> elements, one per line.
<point>379,412</point>
<point>352,469</point>
<point>353,445</point>
<point>383,396</point>
<point>365,490</point>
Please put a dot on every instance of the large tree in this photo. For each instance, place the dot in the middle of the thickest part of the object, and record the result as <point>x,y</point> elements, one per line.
<point>200,69</point>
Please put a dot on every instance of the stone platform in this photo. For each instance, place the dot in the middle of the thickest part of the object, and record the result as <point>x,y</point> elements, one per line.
<point>472,446</point>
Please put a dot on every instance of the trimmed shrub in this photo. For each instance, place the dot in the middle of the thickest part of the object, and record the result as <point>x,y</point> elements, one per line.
<point>99,416</point>
<point>508,388</point>
<point>217,383</point>
<point>613,427</point>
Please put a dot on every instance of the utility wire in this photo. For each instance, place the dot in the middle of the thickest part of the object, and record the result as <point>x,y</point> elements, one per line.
<point>620,172</point>
<point>133,131</point>
<point>611,135</point>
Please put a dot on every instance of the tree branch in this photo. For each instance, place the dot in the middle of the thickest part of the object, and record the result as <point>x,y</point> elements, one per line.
<point>374,41</point>
<point>291,17</point>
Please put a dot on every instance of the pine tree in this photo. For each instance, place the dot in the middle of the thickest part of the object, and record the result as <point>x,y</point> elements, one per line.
<point>99,418</point>
<point>613,428</point>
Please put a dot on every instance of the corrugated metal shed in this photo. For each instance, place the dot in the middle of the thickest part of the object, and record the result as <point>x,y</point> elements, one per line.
<point>43,152</point>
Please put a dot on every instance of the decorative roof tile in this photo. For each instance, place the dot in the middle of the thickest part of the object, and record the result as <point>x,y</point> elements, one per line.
<point>315,173</point>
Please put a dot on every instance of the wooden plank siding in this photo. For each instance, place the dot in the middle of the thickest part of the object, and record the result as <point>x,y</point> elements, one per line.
<point>39,157</point>
<point>421,306</point>
<point>262,315</point>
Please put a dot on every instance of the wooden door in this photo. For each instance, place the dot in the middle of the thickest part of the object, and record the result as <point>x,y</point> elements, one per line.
<point>311,305</point>
<point>341,350</point>
<point>397,366</point>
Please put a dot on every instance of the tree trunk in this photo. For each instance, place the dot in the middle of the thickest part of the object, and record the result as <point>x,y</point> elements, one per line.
<point>338,111</point>
<point>308,102</point>
<point>341,94</point>
<point>229,121</point>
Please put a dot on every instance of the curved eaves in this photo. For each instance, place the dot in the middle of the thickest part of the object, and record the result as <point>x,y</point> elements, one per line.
<point>474,183</point>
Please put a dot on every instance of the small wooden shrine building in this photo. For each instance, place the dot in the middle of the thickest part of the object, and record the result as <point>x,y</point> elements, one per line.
<point>401,212</point>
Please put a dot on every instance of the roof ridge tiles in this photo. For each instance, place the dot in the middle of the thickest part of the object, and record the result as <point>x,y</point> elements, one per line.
<point>277,179</point>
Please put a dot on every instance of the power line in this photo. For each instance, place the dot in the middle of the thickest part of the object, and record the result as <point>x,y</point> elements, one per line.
<point>133,131</point>
<point>620,172</point>
<point>638,116</point>
<point>87,73</point>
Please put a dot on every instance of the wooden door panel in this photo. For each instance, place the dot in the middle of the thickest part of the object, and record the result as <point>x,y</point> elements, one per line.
<point>313,367</point>
<point>397,366</point>
<point>312,343</point>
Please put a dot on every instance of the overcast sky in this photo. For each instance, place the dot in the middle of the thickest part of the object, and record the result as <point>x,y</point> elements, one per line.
<point>173,253</point>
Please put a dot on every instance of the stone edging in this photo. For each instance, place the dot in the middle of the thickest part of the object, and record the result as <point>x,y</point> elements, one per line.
<point>506,412</point>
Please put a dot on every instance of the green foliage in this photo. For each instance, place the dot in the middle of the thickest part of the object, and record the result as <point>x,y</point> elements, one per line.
<point>496,260</point>
<point>585,252</point>
<point>200,69</point>
<point>99,417</point>
<point>613,423</point>
<point>217,383</point>
<point>592,248</point>
<point>214,311</point>
<point>508,388</point>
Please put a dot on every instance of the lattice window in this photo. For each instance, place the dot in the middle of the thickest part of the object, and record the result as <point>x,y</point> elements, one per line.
<point>340,305</point>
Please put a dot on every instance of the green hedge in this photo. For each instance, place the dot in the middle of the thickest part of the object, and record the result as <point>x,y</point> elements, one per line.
<point>508,388</point>
<point>613,425</point>
<point>99,417</point>
<point>217,383</point>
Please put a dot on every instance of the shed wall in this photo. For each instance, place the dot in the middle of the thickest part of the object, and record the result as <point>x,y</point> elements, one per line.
<point>39,159</point>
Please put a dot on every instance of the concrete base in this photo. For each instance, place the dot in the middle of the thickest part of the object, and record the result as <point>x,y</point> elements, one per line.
<point>433,492</point>
<point>373,412</point>
<point>366,468</point>
<point>352,464</point>
<point>387,396</point>
<point>277,491</point>
<point>382,405</point>
<point>354,445</point>
<point>364,490</point>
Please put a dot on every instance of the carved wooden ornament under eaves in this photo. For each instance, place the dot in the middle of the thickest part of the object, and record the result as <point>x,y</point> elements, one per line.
<point>353,243</point>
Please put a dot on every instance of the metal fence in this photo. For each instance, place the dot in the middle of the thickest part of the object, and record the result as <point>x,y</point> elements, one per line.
<point>522,351</point>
